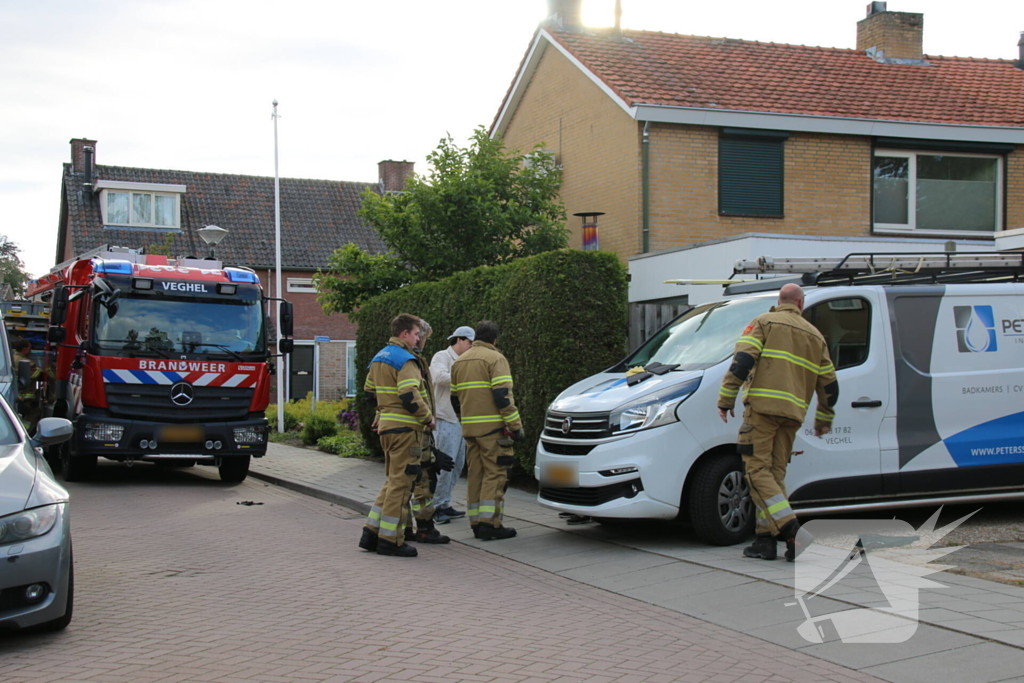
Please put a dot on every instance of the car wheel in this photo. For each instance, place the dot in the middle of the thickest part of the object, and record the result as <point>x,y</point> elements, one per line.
<point>61,623</point>
<point>234,469</point>
<point>721,510</point>
<point>76,467</point>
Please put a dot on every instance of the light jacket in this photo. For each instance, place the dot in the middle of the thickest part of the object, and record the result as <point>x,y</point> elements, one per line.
<point>482,391</point>
<point>395,385</point>
<point>441,372</point>
<point>783,359</point>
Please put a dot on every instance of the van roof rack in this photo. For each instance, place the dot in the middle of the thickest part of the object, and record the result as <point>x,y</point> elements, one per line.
<point>893,268</point>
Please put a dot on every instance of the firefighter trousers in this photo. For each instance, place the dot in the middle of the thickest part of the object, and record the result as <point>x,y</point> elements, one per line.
<point>390,512</point>
<point>766,443</point>
<point>423,489</point>
<point>489,458</point>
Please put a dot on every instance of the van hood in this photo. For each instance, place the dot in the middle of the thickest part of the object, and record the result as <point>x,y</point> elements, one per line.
<point>608,390</point>
<point>17,477</point>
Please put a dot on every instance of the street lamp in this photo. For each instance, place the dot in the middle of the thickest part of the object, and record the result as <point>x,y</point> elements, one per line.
<point>212,235</point>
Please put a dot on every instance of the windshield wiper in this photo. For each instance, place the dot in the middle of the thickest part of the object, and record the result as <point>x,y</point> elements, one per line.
<point>226,349</point>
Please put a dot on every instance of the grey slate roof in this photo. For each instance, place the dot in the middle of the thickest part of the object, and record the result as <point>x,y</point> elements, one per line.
<point>317,216</point>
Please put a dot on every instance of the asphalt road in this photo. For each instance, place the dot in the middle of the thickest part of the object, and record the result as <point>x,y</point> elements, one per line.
<point>179,580</point>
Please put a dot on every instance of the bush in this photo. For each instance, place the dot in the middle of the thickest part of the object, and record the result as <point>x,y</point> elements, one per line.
<point>291,418</point>
<point>317,427</point>
<point>297,414</point>
<point>562,315</point>
<point>345,444</point>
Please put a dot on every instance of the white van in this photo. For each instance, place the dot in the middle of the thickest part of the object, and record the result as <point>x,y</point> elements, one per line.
<point>929,352</point>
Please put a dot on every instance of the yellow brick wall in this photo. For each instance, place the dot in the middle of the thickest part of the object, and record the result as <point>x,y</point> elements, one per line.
<point>826,187</point>
<point>596,143</point>
<point>1015,189</point>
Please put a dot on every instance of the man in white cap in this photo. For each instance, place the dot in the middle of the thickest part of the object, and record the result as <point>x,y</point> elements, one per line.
<point>448,436</point>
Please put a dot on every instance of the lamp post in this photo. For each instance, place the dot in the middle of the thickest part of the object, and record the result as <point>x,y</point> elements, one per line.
<point>212,235</point>
<point>589,229</point>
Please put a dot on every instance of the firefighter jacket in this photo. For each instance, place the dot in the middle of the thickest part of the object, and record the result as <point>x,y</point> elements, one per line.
<point>26,393</point>
<point>482,391</point>
<point>395,385</point>
<point>783,359</point>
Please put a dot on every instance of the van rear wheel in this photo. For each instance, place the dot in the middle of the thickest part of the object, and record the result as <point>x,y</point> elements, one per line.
<point>721,510</point>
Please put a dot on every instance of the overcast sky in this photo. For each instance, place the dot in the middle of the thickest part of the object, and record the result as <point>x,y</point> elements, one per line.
<point>188,84</point>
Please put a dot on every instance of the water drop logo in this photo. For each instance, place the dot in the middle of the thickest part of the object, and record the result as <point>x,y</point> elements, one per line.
<point>975,329</point>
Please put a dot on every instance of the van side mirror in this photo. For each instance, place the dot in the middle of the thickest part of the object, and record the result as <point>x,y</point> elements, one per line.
<point>287,319</point>
<point>59,306</point>
<point>286,345</point>
<point>24,375</point>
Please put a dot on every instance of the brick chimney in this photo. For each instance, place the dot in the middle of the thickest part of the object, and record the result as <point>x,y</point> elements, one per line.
<point>896,35</point>
<point>565,15</point>
<point>393,174</point>
<point>78,146</point>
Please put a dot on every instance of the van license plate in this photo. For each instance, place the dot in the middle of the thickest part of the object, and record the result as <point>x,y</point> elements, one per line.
<point>182,433</point>
<point>560,474</point>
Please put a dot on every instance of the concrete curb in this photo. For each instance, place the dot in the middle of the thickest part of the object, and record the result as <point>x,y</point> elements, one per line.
<point>338,499</point>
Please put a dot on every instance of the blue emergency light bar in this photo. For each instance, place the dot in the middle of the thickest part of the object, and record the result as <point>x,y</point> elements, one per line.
<point>115,266</point>
<point>239,275</point>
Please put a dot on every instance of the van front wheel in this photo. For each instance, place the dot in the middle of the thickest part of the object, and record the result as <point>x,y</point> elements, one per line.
<point>720,507</point>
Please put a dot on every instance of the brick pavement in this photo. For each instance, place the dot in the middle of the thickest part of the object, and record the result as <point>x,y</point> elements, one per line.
<point>176,582</point>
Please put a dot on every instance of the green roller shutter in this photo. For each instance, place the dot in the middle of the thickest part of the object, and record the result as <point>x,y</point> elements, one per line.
<point>750,174</point>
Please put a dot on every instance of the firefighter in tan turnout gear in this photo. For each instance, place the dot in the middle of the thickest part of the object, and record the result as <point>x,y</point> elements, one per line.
<point>482,398</point>
<point>395,385</point>
<point>783,359</point>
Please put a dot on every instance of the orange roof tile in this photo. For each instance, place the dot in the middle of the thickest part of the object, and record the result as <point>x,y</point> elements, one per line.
<point>739,75</point>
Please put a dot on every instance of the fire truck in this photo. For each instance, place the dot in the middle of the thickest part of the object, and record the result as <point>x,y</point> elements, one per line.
<point>158,359</point>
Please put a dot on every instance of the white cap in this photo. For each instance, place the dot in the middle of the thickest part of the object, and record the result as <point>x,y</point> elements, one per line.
<point>464,331</point>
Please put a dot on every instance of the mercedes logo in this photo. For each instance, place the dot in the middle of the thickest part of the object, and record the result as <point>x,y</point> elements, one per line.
<point>567,425</point>
<point>182,394</point>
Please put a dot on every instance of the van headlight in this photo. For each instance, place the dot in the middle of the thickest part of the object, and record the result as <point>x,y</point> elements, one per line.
<point>27,524</point>
<point>653,410</point>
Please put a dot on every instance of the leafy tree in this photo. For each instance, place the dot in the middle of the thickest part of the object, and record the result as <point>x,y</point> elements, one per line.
<point>478,206</point>
<point>12,268</point>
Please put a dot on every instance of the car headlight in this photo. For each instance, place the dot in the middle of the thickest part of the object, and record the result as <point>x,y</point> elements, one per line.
<point>653,410</point>
<point>27,524</point>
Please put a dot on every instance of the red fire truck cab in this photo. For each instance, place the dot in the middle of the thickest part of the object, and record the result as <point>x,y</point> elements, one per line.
<point>158,359</point>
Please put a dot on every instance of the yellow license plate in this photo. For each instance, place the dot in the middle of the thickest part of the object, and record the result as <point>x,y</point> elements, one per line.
<point>560,474</point>
<point>182,433</point>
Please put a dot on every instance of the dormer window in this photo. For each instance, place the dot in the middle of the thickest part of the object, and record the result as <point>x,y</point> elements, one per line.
<point>140,205</point>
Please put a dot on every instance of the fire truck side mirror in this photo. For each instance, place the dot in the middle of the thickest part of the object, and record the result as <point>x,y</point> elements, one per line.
<point>55,334</point>
<point>287,319</point>
<point>24,375</point>
<point>286,346</point>
<point>59,306</point>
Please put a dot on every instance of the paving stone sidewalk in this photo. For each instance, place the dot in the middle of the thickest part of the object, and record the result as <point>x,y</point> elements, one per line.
<point>971,630</point>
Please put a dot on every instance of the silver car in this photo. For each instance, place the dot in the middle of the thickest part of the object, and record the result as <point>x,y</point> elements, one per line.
<point>37,582</point>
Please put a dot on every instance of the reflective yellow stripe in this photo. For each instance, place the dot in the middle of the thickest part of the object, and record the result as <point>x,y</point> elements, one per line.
<point>474,385</point>
<point>781,395</point>
<point>728,392</point>
<point>388,525</point>
<point>824,417</point>
<point>408,383</point>
<point>499,380</point>
<point>797,360</point>
<point>387,390</point>
<point>481,418</point>
<point>753,341</point>
<point>513,417</point>
<point>400,418</point>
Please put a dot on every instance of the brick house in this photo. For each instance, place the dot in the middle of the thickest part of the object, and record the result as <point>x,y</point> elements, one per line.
<point>317,216</point>
<point>703,150</point>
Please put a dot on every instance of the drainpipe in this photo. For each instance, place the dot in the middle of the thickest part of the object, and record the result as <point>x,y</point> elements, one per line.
<point>645,162</point>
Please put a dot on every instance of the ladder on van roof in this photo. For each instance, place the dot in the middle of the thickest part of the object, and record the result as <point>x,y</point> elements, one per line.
<point>891,268</point>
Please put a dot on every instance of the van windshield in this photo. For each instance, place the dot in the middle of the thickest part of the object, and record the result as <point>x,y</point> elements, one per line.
<point>700,338</point>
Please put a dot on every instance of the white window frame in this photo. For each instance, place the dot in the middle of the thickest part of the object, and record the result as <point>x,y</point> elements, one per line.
<point>153,190</point>
<point>301,285</point>
<point>350,363</point>
<point>911,226</point>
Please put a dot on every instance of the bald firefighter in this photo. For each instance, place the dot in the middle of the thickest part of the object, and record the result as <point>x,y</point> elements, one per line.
<point>783,360</point>
<point>482,398</point>
<point>395,386</point>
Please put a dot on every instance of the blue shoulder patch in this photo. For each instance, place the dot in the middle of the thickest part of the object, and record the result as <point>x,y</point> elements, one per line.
<point>395,356</point>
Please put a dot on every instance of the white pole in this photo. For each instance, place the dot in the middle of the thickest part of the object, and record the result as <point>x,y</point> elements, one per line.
<point>281,366</point>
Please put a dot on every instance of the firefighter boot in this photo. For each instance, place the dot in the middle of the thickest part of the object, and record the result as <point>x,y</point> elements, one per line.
<point>368,541</point>
<point>409,534</point>
<point>489,532</point>
<point>427,533</point>
<point>795,541</point>
<point>763,548</point>
<point>386,547</point>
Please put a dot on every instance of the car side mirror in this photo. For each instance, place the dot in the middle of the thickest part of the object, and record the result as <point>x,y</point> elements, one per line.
<point>286,345</point>
<point>52,431</point>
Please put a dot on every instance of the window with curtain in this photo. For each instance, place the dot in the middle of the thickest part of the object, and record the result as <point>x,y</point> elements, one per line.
<point>140,209</point>
<point>944,192</point>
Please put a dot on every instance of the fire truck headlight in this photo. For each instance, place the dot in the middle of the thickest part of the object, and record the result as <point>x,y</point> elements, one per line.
<point>251,434</point>
<point>101,431</point>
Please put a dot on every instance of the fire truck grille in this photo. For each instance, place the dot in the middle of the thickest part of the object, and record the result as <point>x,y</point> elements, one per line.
<point>153,402</point>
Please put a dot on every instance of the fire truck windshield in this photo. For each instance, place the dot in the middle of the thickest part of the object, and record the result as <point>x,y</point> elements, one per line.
<point>167,327</point>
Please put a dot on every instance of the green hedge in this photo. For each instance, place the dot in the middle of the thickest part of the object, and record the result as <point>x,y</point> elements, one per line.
<point>562,316</point>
